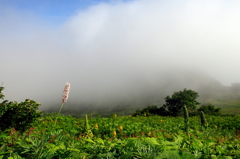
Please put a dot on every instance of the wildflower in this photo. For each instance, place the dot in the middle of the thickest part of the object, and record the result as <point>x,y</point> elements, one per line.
<point>145,114</point>
<point>161,120</point>
<point>65,92</point>
<point>115,115</point>
<point>120,127</point>
<point>64,98</point>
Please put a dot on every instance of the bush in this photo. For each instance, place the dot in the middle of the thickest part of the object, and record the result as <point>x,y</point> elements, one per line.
<point>210,110</point>
<point>148,111</point>
<point>17,115</point>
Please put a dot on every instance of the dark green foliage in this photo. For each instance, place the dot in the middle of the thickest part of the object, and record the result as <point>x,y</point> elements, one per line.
<point>148,111</point>
<point>186,120</point>
<point>210,110</point>
<point>17,115</point>
<point>203,119</point>
<point>1,94</point>
<point>175,103</point>
<point>164,112</point>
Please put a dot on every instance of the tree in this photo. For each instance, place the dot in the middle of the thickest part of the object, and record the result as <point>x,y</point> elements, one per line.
<point>174,104</point>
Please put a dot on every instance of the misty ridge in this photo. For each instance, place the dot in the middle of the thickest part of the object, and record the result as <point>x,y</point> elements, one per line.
<point>121,54</point>
<point>140,93</point>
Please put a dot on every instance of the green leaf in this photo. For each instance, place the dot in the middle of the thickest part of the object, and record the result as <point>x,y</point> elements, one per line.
<point>169,155</point>
<point>151,141</point>
<point>89,140</point>
<point>99,140</point>
<point>15,156</point>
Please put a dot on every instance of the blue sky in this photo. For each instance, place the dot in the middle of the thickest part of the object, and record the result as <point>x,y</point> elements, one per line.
<point>55,11</point>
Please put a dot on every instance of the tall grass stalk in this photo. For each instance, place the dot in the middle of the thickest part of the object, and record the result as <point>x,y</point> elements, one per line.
<point>186,120</point>
<point>88,130</point>
<point>203,119</point>
<point>64,98</point>
<point>207,132</point>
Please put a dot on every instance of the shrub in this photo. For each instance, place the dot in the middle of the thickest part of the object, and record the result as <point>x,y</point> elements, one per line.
<point>210,110</point>
<point>17,115</point>
<point>148,111</point>
<point>1,94</point>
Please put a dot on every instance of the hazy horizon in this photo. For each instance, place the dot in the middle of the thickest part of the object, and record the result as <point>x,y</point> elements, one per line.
<point>115,50</point>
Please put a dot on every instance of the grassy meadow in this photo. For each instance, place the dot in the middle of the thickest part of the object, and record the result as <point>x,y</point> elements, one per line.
<point>227,106</point>
<point>118,136</point>
<point>124,137</point>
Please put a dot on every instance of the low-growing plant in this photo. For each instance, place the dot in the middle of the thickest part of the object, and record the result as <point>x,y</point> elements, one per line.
<point>124,137</point>
<point>121,136</point>
<point>17,115</point>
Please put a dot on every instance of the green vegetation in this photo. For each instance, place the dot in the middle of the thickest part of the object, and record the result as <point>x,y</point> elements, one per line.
<point>174,106</point>
<point>16,115</point>
<point>210,110</point>
<point>32,136</point>
<point>227,98</point>
<point>148,111</point>
<point>227,105</point>
<point>124,137</point>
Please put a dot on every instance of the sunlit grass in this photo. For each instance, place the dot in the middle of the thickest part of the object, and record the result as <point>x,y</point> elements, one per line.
<point>124,137</point>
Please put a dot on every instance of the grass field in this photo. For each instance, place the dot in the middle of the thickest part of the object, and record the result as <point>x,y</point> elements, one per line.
<point>124,137</point>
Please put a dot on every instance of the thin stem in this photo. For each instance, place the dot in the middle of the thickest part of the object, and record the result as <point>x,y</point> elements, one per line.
<point>60,108</point>
<point>59,113</point>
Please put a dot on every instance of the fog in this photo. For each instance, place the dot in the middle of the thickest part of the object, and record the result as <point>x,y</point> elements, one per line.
<point>119,52</point>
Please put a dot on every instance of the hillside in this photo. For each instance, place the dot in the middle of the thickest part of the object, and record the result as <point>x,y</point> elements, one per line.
<point>210,91</point>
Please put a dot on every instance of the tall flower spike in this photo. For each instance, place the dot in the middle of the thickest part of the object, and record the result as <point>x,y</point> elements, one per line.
<point>64,98</point>
<point>65,92</point>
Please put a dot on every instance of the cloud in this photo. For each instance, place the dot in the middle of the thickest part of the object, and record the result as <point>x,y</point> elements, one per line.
<point>193,34</point>
<point>116,51</point>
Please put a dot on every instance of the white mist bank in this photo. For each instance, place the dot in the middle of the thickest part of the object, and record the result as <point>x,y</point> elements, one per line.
<point>118,51</point>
